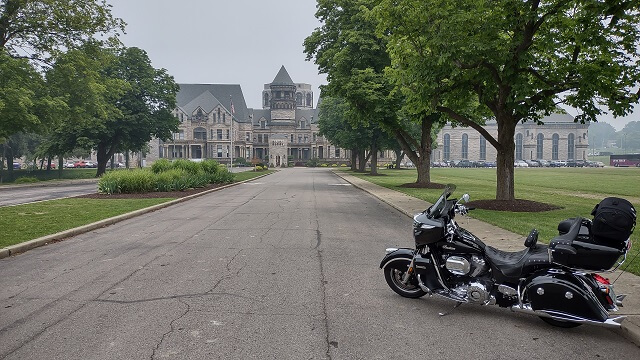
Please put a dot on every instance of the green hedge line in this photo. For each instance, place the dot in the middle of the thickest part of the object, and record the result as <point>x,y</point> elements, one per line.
<point>165,175</point>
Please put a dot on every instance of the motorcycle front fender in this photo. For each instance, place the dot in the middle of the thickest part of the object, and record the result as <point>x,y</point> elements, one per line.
<point>564,293</point>
<point>403,253</point>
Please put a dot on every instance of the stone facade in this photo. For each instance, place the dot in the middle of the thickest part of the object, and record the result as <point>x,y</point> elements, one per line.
<point>209,129</point>
<point>560,138</point>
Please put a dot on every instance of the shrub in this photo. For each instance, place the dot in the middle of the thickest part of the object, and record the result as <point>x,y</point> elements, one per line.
<point>334,165</point>
<point>131,181</point>
<point>26,180</point>
<point>161,165</point>
<point>324,165</point>
<point>312,162</point>
<point>190,166</point>
<point>343,165</point>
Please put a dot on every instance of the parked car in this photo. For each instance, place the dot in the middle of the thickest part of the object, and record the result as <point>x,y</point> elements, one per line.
<point>466,164</point>
<point>80,164</point>
<point>532,163</point>
<point>490,164</point>
<point>543,163</point>
<point>90,164</point>
<point>17,166</point>
<point>520,163</point>
<point>68,165</point>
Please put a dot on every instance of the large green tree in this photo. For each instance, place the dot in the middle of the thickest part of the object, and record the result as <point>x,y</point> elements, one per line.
<point>37,29</point>
<point>599,135</point>
<point>117,101</point>
<point>347,48</point>
<point>516,59</point>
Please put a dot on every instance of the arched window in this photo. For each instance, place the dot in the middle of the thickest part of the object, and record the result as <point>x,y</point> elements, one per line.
<point>299,99</point>
<point>309,100</point>
<point>200,134</point>
<point>519,139</point>
<point>266,100</point>
<point>555,141</point>
<point>465,146</point>
<point>483,148</point>
<point>540,146</point>
<point>447,147</point>
<point>571,147</point>
<point>199,116</point>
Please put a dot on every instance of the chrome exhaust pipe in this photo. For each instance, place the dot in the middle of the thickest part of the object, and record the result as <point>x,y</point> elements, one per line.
<point>614,322</point>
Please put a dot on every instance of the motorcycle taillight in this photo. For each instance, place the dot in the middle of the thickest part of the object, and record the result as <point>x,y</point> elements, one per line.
<point>601,280</point>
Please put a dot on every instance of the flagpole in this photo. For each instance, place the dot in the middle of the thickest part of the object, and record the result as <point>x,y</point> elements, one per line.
<point>231,133</point>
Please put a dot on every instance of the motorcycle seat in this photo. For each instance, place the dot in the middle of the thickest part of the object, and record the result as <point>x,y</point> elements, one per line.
<point>519,263</point>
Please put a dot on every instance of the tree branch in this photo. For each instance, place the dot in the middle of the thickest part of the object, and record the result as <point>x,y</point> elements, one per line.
<point>463,120</point>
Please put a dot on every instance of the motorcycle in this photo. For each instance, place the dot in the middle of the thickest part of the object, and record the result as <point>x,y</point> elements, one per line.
<point>557,282</point>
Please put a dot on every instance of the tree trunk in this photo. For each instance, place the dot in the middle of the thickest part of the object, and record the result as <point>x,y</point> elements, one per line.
<point>103,155</point>
<point>505,180</point>
<point>363,158</point>
<point>399,156</point>
<point>60,166</point>
<point>354,158</point>
<point>421,156</point>
<point>374,157</point>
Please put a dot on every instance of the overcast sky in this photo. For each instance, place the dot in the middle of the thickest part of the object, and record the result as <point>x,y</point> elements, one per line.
<point>232,41</point>
<point>224,41</point>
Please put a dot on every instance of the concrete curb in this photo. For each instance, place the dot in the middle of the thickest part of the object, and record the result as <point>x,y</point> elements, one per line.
<point>630,328</point>
<point>31,244</point>
<point>49,183</point>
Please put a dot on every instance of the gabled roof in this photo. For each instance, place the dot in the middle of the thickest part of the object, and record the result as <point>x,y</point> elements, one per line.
<point>206,101</point>
<point>222,93</point>
<point>282,78</point>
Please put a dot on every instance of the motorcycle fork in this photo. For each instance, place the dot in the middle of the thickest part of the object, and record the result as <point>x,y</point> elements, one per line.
<point>409,273</point>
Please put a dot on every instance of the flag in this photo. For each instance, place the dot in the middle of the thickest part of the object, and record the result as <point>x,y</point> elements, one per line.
<point>233,110</point>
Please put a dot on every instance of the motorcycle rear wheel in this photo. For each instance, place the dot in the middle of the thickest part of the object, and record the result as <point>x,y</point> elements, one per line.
<point>394,276</point>
<point>560,323</point>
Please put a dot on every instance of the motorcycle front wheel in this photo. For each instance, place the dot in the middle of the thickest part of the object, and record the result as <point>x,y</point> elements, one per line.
<point>394,274</point>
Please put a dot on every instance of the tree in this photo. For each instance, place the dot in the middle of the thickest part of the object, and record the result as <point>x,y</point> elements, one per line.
<point>629,137</point>
<point>355,59</point>
<point>599,134</point>
<point>517,60</point>
<point>117,101</point>
<point>36,29</point>
<point>19,84</point>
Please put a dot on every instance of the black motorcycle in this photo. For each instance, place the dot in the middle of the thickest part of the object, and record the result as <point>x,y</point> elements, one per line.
<point>556,282</point>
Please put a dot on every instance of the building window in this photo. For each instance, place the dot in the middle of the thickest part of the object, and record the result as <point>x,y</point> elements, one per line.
<point>263,124</point>
<point>224,118</point>
<point>299,139</point>
<point>555,141</point>
<point>465,146</point>
<point>571,147</point>
<point>519,138</point>
<point>309,100</point>
<point>299,99</point>
<point>179,135</point>
<point>447,147</point>
<point>483,148</point>
<point>266,100</point>
<point>266,138</point>
<point>315,136</point>
<point>260,138</point>
<point>219,134</point>
<point>218,114</point>
<point>247,136</point>
<point>337,152</point>
<point>291,137</point>
<point>540,146</point>
<point>227,133</point>
<point>200,134</point>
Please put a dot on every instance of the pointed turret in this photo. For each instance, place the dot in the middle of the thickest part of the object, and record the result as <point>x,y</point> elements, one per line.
<point>282,78</point>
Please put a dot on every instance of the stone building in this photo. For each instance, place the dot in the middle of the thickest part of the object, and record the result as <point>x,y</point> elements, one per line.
<point>560,138</point>
<point>214,118</point>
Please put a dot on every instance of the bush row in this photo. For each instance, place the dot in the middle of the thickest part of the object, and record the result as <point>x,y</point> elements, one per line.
<point>165,175</point>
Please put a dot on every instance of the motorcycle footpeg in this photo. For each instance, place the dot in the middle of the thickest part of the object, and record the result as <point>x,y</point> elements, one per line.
<point>619,299</point>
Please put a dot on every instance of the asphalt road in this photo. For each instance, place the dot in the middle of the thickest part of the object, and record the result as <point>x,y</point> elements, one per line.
<point>285,267</point>
<point>16,195</point>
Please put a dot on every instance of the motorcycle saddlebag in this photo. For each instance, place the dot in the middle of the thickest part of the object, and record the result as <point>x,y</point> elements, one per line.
<point>565,294</point>
<point>613,221</point>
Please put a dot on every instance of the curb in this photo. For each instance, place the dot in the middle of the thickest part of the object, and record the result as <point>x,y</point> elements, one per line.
<point>41,241</point>
<point>629,330</point>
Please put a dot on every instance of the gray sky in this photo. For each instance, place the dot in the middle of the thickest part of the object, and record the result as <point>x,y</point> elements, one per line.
<point>232,41</point>
<point>224,41</point>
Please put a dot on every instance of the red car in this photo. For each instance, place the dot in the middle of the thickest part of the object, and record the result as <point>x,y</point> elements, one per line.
<point>80,164</point>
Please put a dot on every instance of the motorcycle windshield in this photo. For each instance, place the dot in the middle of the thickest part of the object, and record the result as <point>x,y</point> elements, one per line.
<point>436,210</point>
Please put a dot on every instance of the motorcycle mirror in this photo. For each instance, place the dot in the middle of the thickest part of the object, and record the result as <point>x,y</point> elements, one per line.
<point>465,198</point>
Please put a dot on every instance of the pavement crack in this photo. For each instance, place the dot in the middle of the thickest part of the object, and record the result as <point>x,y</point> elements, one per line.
<point>172,328</point>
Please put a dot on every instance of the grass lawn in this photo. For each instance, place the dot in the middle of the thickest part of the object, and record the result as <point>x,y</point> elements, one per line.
<point>31,221</point>
<point>576,190</point>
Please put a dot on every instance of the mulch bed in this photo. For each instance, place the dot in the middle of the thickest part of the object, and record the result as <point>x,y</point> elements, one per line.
<point>517,205</point>
<point>151,195</point>
<point>430,185</point>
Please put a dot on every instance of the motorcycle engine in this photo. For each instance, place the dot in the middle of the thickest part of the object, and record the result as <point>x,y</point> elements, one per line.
<point>461,265</point>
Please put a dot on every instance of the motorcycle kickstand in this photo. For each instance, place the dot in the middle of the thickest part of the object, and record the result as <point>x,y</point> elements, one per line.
<point>458,303</point>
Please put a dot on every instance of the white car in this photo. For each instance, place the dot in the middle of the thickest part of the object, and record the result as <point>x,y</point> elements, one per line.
<point>520,163</point>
